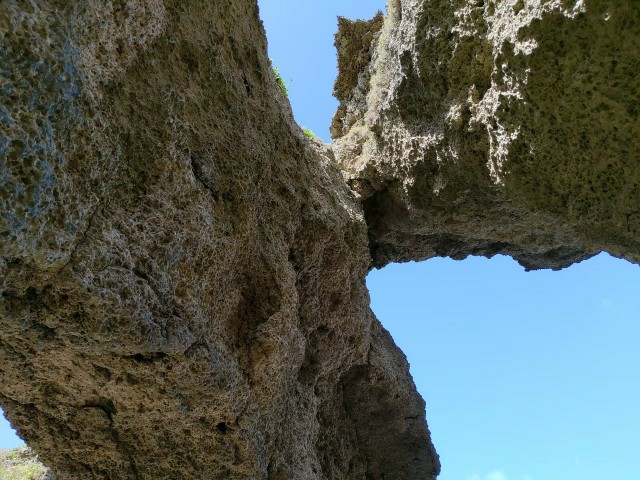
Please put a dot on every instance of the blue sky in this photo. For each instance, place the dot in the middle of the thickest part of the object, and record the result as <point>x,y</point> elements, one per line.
<point>527,376</point>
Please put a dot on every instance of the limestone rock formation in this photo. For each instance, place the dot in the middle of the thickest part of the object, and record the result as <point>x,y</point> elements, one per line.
<point>182,269</point>
<point>498,126</point>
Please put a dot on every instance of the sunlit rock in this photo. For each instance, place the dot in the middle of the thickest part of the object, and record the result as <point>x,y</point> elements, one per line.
<point>498,127</point>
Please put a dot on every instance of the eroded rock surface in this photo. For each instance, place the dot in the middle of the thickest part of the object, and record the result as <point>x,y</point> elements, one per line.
<point>498,127</point>
<point>182,269</point>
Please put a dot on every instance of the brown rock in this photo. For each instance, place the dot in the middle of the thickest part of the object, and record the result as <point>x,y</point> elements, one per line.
<point>499,127</point>
<point>183,270</point>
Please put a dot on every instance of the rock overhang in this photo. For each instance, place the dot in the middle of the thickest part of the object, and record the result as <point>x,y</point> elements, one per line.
<point>183,270</point>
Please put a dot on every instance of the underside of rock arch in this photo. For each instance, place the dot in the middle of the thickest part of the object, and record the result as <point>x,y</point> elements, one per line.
<point>182,269</point>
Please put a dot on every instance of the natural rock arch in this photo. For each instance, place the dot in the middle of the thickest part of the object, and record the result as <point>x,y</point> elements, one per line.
<point>182,269</point>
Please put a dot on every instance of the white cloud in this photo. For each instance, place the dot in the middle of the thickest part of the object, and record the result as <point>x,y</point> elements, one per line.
<point>495,475</point>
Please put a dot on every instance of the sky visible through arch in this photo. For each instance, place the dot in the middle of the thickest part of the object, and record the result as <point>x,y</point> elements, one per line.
<point>526,376</point>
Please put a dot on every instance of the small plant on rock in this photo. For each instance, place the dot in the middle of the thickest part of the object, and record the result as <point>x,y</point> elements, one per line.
<point>280,80</point>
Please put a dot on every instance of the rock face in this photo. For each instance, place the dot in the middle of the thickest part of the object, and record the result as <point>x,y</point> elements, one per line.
<point>183,269</point>
<point>483,127</point>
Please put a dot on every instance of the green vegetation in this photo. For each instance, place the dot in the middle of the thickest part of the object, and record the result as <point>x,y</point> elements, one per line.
<point>20,464</point>
<point>280,80</point>
<point>283,86</point>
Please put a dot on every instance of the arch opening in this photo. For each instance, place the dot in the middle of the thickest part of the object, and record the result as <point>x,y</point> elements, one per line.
<point>526,375</point>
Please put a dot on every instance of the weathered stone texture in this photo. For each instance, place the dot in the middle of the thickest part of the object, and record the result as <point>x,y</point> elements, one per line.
<point>500,127</point>
<point>182,269</point>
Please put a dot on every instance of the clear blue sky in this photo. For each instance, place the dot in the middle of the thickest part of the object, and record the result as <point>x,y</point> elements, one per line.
<point>527,376</point>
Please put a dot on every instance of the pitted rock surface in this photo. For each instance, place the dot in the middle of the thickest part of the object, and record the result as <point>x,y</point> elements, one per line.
<point>182,269</point>
<point>499,127</point>
<point>182,291</point>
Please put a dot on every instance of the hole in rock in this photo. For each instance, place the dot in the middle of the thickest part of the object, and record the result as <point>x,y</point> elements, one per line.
<point>8,437</point>
<point>300,42</point>
<point>526,375</point>
<point>222,427</point>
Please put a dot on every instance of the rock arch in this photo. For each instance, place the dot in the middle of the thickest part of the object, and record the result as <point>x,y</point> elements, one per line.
<point>183,269</point>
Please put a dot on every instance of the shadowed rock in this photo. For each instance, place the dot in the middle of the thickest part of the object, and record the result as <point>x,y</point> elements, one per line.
<point>182,269</point>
